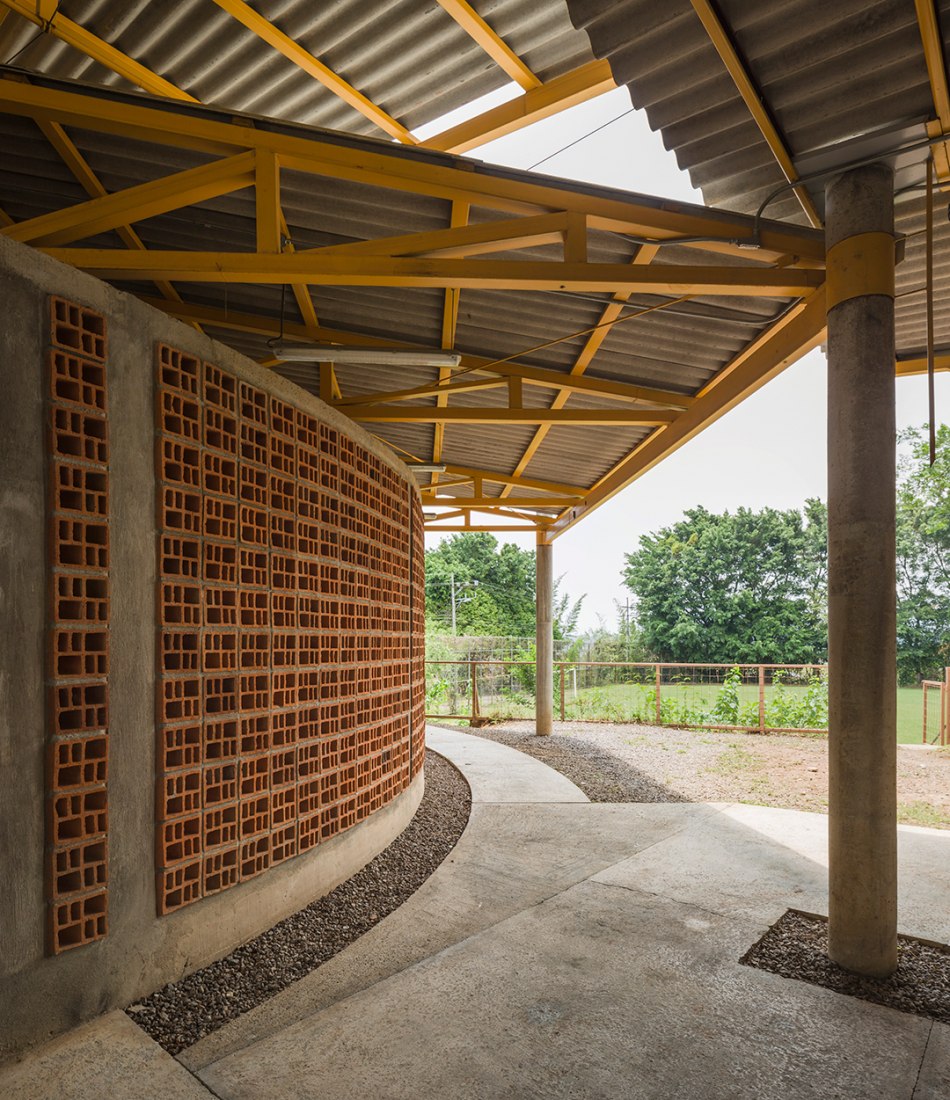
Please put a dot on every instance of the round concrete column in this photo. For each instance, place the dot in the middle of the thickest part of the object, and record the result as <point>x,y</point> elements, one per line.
<point>544,644</point>
<point>862,666</point>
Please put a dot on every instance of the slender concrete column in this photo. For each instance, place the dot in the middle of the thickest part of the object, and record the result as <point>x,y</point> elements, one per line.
<point>862,674</point>
<point>544,645</point>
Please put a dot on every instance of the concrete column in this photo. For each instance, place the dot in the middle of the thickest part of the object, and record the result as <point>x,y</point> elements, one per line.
<point>862,726</point>
<point>544,645</point>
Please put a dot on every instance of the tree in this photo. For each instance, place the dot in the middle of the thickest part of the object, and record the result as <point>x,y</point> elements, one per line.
<point>501,604</point>
<point>747,587</point>
<point>494,589</point>
<point>923,556</point>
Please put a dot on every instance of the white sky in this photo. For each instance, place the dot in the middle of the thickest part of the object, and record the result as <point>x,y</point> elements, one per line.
<point>770,450</point>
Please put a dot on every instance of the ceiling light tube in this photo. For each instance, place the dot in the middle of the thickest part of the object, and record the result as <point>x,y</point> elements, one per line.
<point>395,357</point>
<point>427,467</point>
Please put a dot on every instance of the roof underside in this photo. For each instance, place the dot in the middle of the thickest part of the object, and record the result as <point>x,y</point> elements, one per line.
<point>748,96</point>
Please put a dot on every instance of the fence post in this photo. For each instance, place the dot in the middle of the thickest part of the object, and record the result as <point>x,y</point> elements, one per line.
<point>924,733</point>
<point>943,701</point>
<point>761,698</point>
<point>562,670</point>
<point>474,667</point>
<point>659,720</point>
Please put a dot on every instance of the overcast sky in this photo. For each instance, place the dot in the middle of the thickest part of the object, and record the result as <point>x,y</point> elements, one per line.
<point>770,450</point>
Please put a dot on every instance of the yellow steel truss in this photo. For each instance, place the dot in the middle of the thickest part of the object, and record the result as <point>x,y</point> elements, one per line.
<point>788,264</point>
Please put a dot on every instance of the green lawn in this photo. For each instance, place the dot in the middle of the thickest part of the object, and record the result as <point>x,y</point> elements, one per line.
<point>629,702</point>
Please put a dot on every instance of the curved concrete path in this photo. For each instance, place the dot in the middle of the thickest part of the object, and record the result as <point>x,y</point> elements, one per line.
<point>576,949</point>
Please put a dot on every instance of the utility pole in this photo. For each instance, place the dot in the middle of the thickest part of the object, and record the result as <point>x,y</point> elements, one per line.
<point>452,578</point>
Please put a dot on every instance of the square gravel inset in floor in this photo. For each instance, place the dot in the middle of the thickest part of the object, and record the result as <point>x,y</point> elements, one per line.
<point>796,946</point>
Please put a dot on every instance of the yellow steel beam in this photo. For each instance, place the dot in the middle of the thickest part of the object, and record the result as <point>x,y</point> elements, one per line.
<point>637,215</point>
<point>610,315</point>
<point>932,41</point>
<point>496,48</point>
<point>5,218</point>
<point>557,94</point>
<point>303,59</point>
<point>551,275</point>
<point>432,414</point>
<point>91,184</point>
<point>531,376</point>
<point>494,477</point>
<point>753,99</point>
<point>460,528</point>
<point>145,200</point>
<point>508,502</point>
<point>800,330</point>
<point>459,241</point>
<point>918,365</point>
<point>267,201</point>
<point>73,34</point>
<point>450,315</point>
<point>547,379</point>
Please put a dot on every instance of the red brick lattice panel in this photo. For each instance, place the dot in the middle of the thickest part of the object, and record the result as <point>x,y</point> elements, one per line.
<point>77,853</point>
<point>290,693</point>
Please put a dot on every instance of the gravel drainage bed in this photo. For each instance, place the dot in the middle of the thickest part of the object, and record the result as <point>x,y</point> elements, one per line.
<point>796,946</point>
<point>601,775</point>
<point>182,1013</point>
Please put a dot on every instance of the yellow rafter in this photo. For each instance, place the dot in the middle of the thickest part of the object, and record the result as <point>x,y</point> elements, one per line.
<point>556,95</point>
<point>532,376</point>
<point>674,280</point>
<point>496,48</point>
<point>610,315</point>
<point>937,72</point>
<point>146,200</point>
<point>303,59</point>
<point>55,23</point>
<point>91,184</point>
<point>432,414</point>
<point>458,218</point>
<point>800,330</point>
<point>460,241</point>
<point>494,477</point>
<point>478,503</point>
<point>636,215</point>
<point>753,99</point>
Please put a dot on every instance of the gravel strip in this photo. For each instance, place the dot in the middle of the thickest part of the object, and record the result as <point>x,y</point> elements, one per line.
<point>626,762</point>
<point>184,1012</point>
<point>574,751</point>
<point>796,946</point>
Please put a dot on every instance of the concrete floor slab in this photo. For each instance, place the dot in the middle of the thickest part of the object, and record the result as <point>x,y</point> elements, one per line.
<point>108,1059</point>
<point>509,858</point>
<point>497,773</point>
<point>598,992</point>
<point>933,1082</point>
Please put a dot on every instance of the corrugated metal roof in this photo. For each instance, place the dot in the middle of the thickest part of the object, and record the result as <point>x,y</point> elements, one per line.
<point>408,56</point>
<point>677,347</point>
<point>828,72</point>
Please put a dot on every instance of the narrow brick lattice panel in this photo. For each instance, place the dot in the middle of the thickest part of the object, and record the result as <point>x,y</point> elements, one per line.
<point>291,678</point>
<point>77,857</point>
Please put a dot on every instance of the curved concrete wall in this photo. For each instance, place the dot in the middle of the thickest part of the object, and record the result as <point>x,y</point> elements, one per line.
<point>365,711</point>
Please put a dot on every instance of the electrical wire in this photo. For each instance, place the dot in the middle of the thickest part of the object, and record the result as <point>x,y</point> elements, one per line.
<point>44,29</point>
<point>583,137</point>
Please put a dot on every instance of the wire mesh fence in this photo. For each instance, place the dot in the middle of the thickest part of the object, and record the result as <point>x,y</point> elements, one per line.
<point>776,698</point>
<point>934,730</point>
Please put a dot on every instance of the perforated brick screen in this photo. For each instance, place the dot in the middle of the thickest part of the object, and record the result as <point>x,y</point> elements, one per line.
<point>77,865</point>
<point>291,666</point>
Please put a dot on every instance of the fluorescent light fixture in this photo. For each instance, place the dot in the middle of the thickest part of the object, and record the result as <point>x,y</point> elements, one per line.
<point>427,467</point>
<point>387,357</point>
<point>430,515</point>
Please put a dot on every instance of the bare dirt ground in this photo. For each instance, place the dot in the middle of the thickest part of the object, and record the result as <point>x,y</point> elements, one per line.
<point>634,763</point>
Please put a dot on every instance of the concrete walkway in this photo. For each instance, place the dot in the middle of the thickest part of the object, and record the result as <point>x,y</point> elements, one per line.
<point>565,949</point>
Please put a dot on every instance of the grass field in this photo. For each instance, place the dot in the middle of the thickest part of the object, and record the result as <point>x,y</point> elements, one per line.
<point>629,702</point>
